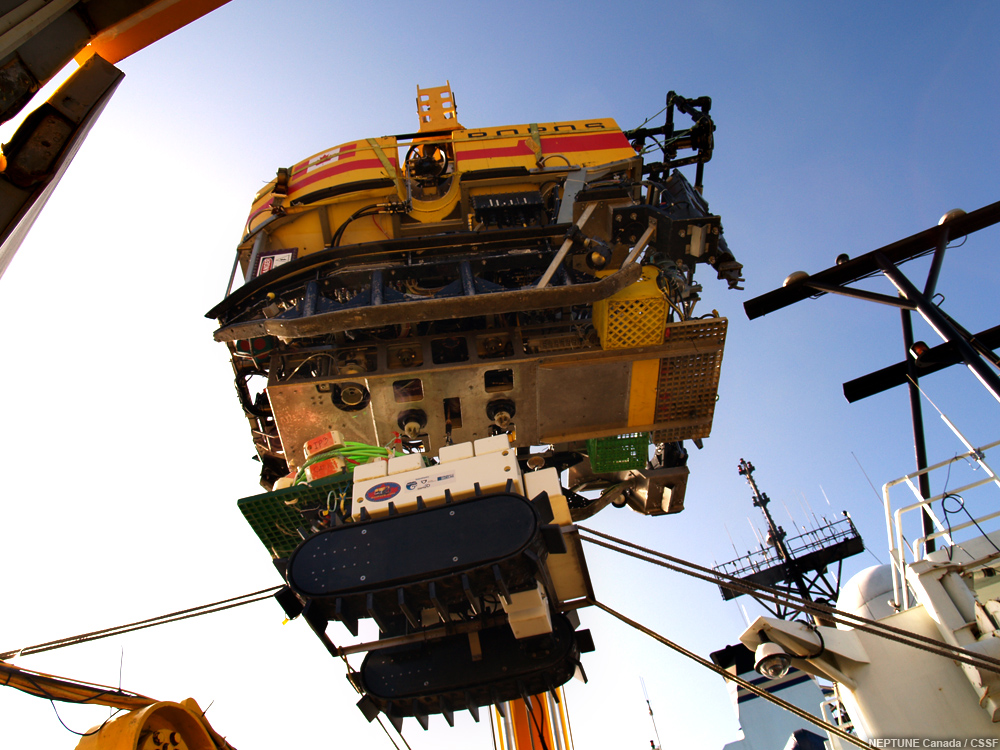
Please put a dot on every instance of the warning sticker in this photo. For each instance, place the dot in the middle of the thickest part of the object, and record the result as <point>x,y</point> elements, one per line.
<point>271,260</point>
<point>423,483</point>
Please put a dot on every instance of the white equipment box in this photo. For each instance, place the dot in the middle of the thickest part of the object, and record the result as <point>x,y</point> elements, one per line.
<point>488,462</point>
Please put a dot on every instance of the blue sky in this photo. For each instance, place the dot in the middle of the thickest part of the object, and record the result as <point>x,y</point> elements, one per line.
<point>841,127</point>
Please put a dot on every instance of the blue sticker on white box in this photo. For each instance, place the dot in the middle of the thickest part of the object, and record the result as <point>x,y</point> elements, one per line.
<point>423,483</point>
<point>382,492</point>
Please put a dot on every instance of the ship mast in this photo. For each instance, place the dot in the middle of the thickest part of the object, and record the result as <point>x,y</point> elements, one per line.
<point>796,566</point>
<point>775,534</point>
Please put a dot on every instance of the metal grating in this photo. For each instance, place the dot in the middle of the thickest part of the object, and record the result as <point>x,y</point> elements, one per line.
<point>689,381</point>
<point>565,342</point>
<point>633,322</point>
<point>275,517</point>
<point>619,453</point>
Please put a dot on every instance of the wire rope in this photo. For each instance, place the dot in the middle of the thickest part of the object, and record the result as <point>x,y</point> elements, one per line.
<point>184,614</point>
<point>77,692</point>
<point>493,730</point>
<point>746,685</point>
<point>889,632</point>
<point>564,715</point>
<point>357,688</point>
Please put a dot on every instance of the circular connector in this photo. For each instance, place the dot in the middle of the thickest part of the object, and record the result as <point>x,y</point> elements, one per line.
<point>501,412</point>
<point>350,396</point>
<point>412,422</point>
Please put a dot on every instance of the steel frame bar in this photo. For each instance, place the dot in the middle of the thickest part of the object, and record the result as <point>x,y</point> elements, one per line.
<point>865,265</point>
<point>845,291</point>
<point>941,324</point>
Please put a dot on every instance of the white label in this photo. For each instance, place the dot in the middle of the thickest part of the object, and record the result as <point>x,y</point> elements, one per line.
<point>423,483</point>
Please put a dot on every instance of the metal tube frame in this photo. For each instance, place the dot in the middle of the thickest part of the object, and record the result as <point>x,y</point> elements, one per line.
<point>917,415</point>
<point>893,520</point>
<point>942,325</point>
<point>566,245</point>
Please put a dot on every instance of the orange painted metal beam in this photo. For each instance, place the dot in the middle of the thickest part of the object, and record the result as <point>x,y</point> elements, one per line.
<point>525,728</point>
<point>148,25</point>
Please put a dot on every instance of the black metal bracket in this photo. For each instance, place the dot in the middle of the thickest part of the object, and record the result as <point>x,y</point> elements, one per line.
<point>866,265</point>
<point>699,137</point>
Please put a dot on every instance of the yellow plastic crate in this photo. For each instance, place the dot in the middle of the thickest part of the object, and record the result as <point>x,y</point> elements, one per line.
<point>635,316</point>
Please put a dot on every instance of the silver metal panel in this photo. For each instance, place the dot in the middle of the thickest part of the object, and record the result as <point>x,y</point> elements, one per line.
<point>303,411</point>
<point>587,397</point>
<point>560,397</point>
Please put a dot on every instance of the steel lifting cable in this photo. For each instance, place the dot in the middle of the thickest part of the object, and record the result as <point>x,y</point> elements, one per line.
<point>184,614</point>
<point>359,691</point>
<point>767,593</point>
<point>493,728</point>
<point>390,736</point>
<point>860,623</point>
<point>74,691</point>
<point>758,691</point>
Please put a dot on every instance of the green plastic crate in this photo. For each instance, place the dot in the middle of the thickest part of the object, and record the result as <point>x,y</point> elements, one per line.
<point>619,453</point>
<point>274,517</point>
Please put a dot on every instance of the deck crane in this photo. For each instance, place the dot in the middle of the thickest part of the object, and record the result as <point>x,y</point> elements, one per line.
<point>450,346</point>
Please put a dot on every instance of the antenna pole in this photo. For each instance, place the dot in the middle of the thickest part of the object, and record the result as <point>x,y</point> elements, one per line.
<point>658,744</point>
<point>776,534</point>
<point>808,576</point>
<point>917,415</point>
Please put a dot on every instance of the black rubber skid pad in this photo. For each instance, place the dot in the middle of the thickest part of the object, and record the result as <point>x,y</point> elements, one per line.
<point>440,676</point>
<point>443,558</point>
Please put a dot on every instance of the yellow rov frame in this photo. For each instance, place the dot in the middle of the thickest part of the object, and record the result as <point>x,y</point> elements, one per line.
<point>534,279</point>
<point>445,178</point>
<point>445,324</point>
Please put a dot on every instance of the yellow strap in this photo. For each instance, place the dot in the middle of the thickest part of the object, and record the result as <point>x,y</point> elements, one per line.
<point>536,142</point>
<point>391,170</point>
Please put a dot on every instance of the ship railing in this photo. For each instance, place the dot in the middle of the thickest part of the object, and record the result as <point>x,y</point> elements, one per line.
<point>833,712</point>
<point>902,552</point>
<point>811,540</point>
<point>834,531</point>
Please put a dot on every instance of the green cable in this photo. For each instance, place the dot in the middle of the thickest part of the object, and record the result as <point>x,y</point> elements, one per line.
<point>350,450</point>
